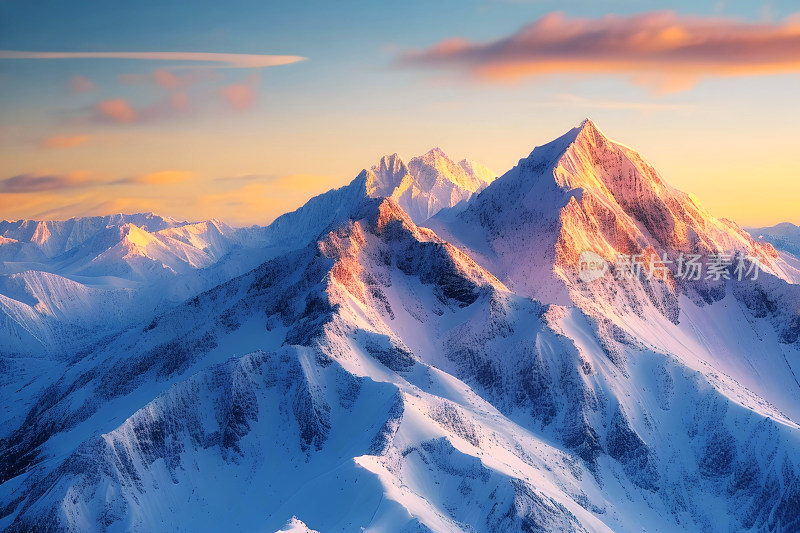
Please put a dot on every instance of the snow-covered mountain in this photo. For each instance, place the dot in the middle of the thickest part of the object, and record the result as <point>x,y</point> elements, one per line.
<point>64,284</point>
<point>428,184</point>
<point>60,280</point>
<point>585,192</point>
<point>785,237</point>
<point>378,374</point>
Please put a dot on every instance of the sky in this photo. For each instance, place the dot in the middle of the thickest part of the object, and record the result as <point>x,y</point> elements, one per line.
<point>243,110</point>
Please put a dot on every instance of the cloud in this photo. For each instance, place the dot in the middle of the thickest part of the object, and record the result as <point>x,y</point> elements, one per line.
<point>239,96</point>
<point>121,111</point>
<point>664,50</point>
<point>175,103</point>
<point>217,60</point>
<point>166,79</point>
<point>115,110</point>
<point>65,141</point>
<point>26,183</point>
<point>164,177</point>
<point>81,84</point>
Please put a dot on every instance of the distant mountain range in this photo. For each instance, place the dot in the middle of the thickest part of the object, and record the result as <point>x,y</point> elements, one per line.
<point>785,237</point>
<point>416,351</point>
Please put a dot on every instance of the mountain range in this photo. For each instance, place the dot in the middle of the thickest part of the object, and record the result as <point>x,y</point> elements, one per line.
<point>418,350</point>
<point>784,236</point>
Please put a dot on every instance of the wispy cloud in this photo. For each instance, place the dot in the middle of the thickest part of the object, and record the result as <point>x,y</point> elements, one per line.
<point>663,50</point>
<point>27,183</point>
<point>65,141</point>
<point>215,59</point>
<point>164,177</point>
<point>31,182</point>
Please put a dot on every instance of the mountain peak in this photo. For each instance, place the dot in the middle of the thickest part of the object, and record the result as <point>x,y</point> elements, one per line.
<point>584,191</point>
<point>586,158</point>
<point>391,162</point>
<point>435,152</point>
<point>587,133</point>
<point>427,184</point>
<point>590,132</point>
<point>387,175</point>
<point>588,123</point>
<point>434,166</point>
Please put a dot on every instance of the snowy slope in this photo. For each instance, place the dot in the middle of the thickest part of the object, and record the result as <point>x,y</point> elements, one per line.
<point>383,376</point>
<point>65,284</point>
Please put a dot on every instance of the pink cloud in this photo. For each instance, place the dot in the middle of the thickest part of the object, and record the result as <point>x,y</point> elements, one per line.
<point>81,84</point>
<point>239,96</point>
<point>65,141</point>
<point>120,111</point>
<point>660,49</point>
<point>166,79</point>
<point>176,103</point>
<point>116,110</point>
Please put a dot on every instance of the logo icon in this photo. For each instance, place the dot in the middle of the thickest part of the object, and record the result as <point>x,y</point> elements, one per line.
<point>591,266</point>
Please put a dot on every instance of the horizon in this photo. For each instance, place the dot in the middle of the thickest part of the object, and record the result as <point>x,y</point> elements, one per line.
<point>405,159</point>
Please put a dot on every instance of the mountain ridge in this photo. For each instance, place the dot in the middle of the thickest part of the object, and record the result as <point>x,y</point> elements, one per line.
<point>415,375</point>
